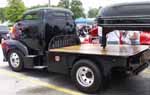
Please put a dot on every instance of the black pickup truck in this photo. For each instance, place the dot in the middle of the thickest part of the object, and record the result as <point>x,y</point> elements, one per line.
<point>49,39</point>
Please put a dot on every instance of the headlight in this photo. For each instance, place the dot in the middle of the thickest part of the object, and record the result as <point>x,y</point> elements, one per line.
<point>2,40</point>
<point>8,35</point>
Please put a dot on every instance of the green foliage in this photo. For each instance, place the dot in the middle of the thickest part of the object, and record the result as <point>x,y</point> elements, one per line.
<point>93,12</point>
<point>14,10</point>
<point>74,5</point>
<point>64,4</point>
<point>2,14</point>
<point>77,9</point>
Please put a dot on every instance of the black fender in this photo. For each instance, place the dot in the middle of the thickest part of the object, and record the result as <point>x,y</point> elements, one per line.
<point>14,44</point>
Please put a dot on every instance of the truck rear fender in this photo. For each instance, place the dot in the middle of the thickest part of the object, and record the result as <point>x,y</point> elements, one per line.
<point>97,62</point>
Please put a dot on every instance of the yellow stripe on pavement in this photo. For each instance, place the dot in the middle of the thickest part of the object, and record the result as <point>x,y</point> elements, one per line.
<point>38,82</point>
<point>146,71</point>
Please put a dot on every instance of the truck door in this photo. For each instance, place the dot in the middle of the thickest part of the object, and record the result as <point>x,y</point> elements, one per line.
<point>59,22</point>
<point>70,24</point>
<point>55,23</point>
<point>32,34</point>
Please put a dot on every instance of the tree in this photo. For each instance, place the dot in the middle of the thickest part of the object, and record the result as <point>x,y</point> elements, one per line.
<point>74,5</point>
<point>2,14</point>
<point>93,12</point>
<point>77,9</point>
<point>64,4</point>
<point>14,10</point>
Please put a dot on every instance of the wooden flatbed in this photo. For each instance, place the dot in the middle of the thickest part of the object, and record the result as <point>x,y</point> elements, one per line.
<point>96,49</point>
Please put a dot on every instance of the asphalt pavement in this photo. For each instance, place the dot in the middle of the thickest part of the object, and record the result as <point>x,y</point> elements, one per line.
<point>41,82</point>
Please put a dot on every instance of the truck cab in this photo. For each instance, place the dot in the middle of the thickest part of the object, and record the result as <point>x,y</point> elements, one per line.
<point>40,25</point>
<point>34,34</point>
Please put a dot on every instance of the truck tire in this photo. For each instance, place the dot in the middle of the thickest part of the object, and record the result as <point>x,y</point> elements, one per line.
<point>15,59</point>
<point>87,76</point>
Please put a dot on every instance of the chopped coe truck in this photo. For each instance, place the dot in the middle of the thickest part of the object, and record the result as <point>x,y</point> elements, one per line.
<point>49,39</point>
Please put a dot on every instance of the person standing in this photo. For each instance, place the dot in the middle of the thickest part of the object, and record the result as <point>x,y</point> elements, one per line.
<point>113,37</point>
<point>134,37</point>
<point>124,37</point>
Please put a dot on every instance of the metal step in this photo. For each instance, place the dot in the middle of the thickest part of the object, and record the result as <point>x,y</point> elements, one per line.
<point>30,61</point>
<point>31,56</point>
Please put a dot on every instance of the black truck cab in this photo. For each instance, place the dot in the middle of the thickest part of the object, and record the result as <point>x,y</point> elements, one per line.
<point>40,25</point>
<point>39,30</point>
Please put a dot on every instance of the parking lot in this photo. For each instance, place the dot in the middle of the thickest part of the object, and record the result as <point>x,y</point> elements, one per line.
<point>41,82</point>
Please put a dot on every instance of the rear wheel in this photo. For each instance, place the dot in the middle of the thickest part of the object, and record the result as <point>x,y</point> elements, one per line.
<point>15,59</point>
<point>87,76</point>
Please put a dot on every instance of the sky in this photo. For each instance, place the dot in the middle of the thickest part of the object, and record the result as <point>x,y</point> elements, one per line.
<point>87,4</point>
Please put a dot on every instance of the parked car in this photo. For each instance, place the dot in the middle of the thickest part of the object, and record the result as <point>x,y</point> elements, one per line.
<point>4,32</point>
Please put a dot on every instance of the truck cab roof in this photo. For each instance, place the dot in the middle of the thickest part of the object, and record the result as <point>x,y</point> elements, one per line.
<point>50,9</point>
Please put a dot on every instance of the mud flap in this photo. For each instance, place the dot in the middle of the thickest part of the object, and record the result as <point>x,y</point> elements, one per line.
<point>140,68</point>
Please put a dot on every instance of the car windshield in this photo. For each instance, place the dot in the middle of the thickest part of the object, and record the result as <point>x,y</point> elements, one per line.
<point>4,29</point>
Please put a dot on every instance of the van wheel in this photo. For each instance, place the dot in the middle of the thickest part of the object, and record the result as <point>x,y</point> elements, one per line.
<point>15,59</point>
<point>87,76</point>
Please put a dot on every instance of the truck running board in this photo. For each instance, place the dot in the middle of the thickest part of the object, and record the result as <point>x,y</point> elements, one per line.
<point>33,60</point>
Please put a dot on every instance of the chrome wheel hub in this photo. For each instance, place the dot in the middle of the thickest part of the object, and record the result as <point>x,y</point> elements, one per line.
<point>85,76</point>
<point>14,60</point>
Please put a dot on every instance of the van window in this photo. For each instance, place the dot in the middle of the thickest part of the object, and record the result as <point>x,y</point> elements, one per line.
<point>32,16</point>
<point>59,14</point>
<point>69,16</point>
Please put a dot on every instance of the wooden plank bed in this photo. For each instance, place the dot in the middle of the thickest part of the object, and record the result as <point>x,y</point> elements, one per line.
<point>96,49</point>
